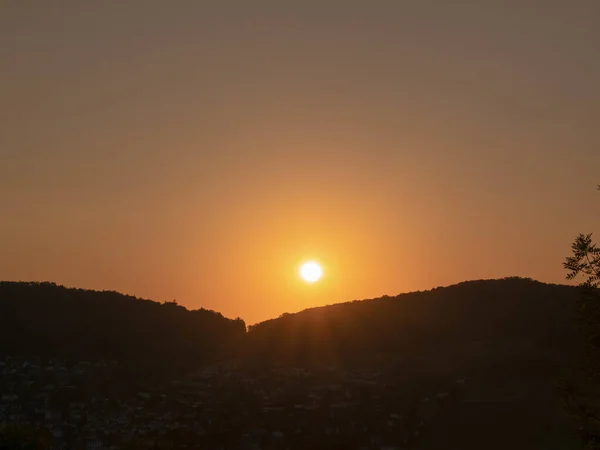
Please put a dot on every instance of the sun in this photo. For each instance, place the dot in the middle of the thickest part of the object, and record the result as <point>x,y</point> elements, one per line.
<point>311,271</point>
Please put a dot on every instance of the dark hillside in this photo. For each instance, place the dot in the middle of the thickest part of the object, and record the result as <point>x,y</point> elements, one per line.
<point>44,319</point>
<point>511,340</point>
<point>509,313</point>
<point>474,365</point>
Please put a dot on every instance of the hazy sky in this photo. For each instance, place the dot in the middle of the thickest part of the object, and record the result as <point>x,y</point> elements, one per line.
<point>197,150</point>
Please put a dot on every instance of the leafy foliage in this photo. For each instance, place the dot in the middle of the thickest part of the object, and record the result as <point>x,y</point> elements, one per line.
<point>584,261</point>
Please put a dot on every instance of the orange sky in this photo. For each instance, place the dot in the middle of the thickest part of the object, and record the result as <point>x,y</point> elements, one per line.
<point>196,151</point>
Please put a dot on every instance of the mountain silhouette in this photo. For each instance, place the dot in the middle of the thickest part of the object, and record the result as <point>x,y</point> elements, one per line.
<point>516,313</point>
<point>490,353</point>
<point>48,320</point>
<point>519,314</point>
<point>509,344</point>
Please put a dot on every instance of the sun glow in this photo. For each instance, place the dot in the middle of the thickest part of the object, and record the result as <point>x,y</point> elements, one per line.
<point>311,271</point>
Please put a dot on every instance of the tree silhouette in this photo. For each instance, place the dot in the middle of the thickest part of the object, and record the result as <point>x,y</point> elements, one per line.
<point>585,262</point>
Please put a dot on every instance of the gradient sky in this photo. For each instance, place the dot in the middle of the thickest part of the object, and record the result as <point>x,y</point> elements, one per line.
<point>197,150</point>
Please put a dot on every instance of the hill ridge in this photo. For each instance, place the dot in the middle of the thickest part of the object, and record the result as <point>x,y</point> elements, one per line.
<point>48,319</point>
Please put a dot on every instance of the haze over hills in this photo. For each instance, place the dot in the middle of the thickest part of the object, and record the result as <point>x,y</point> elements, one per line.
<point>252,157</point>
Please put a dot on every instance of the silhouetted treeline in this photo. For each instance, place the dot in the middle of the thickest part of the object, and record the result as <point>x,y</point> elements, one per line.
<point>503,344</point>
<point>452,321</point>
<point>45,319</point>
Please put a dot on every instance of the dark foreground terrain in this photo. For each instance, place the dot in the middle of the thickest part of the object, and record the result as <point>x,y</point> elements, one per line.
<point>475,365</point>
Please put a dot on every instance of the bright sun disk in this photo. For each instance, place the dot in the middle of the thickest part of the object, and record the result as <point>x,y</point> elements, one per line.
<point>311,271</point>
